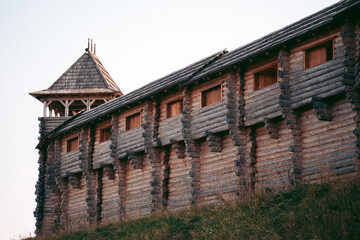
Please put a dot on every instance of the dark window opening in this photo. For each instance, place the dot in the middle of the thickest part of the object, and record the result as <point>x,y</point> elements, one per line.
<point>173,108</point>
<point>319,54</point>
<point>105,134</point>
<point>72,144</point>
<point>265,78</point>
<point>211,96</point>
<point>133,121</point>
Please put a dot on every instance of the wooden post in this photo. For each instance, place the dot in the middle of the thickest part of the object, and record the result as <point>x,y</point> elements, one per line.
<point>349,80</point>
<point>86,150</point>
<point>44,109</point>
<point>40,192</point>
<point>191,147</point>
<point>153,154</point>
<point>236,113</point>
<point>291,118</point>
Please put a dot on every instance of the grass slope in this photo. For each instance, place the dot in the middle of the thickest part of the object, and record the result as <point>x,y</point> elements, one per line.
<point>325,211</point>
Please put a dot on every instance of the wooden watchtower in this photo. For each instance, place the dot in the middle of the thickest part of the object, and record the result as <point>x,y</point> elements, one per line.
<point>85,85</point>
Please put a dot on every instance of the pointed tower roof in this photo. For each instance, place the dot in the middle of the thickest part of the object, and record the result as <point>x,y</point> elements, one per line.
<point>86,76</point>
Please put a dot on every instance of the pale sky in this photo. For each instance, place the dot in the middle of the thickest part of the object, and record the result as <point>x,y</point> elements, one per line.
<point>137,42</point>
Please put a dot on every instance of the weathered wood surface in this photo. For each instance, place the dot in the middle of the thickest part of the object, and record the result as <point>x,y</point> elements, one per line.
<point>218,183</point>
<point>110,200</point>
<point>47,214</point>
<point>138,190</point>
<point>101,151</point>
<point>318,80</point>
<point>101,154</point>
<point>179,182</point>
<point>328,147</point>
<point>77,206</point>
<point>70,162</point>
<point>273,159</point>
<point>261,103</point>
<point>52,122</point>
<point>210,118</point>
<point>170,128</point>
<point>130,141</point>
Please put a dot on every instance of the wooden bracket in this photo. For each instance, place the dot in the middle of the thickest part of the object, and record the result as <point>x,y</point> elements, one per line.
<point>272,128</point>
<point>75,180</point>
<point>321,109</point>
<point>136,160</point>
<point>109,171</point>
<point>214,142</point>
<point>179,148</point>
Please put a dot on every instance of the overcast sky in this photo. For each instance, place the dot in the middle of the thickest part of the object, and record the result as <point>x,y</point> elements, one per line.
<point>137,42</point>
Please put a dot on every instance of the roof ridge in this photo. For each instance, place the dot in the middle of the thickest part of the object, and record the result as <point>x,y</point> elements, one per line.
<point>108,80</point>
<point>97,67</point>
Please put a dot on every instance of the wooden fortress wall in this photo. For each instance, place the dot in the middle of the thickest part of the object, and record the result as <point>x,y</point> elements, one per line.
<point>304,128</point>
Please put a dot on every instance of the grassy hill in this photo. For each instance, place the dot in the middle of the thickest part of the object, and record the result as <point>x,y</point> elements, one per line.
<point>322,211</point>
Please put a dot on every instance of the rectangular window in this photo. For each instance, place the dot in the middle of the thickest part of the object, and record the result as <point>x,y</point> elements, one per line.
<point>105,134</point>
<point>133,121</point>
<point>265,78</point>
<point>72,144</point>
<point>173,108</point>
<point>319,54</point>
<point>211,96</point>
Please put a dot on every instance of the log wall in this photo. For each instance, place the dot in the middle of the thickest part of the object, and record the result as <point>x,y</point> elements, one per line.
<point>70,162</point>
<point>260,103</point>
<point>328,147</point>
<point>179,196</point>
<point>218,183</point>
<point>305,128</point>
<point>138,190</point>
<point>273,160</point>
<point>169,128</point>
<point>110,211</point>
<point>77,216</point>
<point>323,80</point>
<point>210,118</point>
<point>53,122</point>
<point>131,140</point>
<point>102,150</point>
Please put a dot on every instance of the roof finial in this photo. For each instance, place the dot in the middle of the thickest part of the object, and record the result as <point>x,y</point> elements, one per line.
<point>88,46</point>
<point>91,45</point>
<point>94,49</point>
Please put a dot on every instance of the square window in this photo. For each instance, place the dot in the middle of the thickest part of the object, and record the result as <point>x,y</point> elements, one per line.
<point>173,108</point>
<point>266,77</point>
<point>72,144</point>
<point>211,96</point>
<point>133,121</point>
<point>105,134</point>
<point>319,54</point>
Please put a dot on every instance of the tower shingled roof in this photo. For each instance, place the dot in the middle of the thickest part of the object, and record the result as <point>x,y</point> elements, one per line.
<point>86,75</point>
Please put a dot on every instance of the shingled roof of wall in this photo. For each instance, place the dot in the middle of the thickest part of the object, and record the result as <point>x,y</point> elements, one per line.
<point>86,75</point>
<point>279,37</point>
<point>212,64</point>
